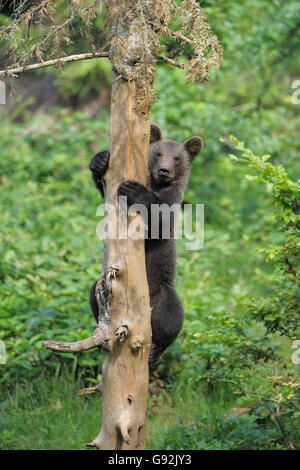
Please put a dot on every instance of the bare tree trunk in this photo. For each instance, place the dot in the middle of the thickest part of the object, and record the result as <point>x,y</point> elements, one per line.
<point>125,365</point>
<point>122,292</point>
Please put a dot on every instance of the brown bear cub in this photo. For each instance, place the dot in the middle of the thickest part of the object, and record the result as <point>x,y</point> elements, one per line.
<point>168,174</point>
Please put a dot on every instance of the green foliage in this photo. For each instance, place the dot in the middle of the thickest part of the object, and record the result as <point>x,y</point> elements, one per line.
<point>28,414</point>
<point>230,375</point>
<point>49,250</point>
<point>251,351</point>
<point>84,79</point>
<point>227,433</point>
<point>280,312</point>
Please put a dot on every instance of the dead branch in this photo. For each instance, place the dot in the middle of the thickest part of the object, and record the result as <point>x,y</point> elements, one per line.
<point>177,35</point>
<point>53,62</point>
<point>89,390</point>
<point>100,338</point>
<point>73,58</point>
<point>167,60</point>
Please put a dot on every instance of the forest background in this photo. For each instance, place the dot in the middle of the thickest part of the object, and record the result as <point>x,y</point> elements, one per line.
<point>231,379</point>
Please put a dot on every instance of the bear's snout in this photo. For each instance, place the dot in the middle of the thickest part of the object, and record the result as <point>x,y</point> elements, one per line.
<point>164,171</point>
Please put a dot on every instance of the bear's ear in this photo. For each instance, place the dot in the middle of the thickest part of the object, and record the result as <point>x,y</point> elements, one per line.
<point>193,146</point>
<point>155,133</point>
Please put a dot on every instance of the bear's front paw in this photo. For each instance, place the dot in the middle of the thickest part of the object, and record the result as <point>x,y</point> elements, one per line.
<point>133,190</point>
<point>99,164</point>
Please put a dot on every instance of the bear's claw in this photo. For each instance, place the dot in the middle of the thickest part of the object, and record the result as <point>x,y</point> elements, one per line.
<point>154,356</point>
<point>132,190</point>
<point>99,164</point>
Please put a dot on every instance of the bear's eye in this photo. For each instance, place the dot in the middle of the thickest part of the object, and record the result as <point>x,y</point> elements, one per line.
<point>177,159</point>
<point>158,154</point>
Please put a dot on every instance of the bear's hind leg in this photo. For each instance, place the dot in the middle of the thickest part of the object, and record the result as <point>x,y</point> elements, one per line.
<point>166,321</point>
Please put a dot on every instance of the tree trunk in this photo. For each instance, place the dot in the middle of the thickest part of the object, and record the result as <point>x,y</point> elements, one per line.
<point>127,310</point>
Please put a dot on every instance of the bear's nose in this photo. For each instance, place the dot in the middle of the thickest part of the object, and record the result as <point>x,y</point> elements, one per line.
<point>164,170</point>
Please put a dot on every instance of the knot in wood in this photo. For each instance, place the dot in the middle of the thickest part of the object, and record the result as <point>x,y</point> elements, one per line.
<point>121,332</point>
<point>136,343</point>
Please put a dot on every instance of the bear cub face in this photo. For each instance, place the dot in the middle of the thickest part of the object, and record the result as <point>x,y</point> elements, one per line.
<point>170,161</point>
